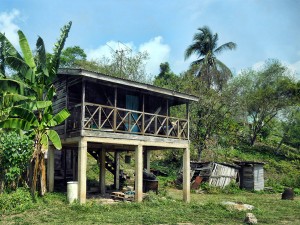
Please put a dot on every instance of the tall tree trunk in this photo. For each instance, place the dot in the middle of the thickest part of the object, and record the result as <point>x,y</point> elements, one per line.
<point>35,174</point>
<point>201,147</point>
<point>42,177</point>
<point>253,138</point>
<point>1,180</point>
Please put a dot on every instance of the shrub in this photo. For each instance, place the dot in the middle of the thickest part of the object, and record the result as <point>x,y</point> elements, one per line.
<point>15,201</point>
<point>15,153</point>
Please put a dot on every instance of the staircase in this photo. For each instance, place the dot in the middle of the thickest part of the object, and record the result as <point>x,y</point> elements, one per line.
<point>109,163</point>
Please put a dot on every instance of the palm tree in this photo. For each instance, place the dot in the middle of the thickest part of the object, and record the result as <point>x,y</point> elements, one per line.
<point>211,70</point>
<point>35,117</point>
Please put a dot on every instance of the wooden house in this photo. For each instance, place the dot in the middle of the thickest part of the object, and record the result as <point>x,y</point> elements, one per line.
<point>110,115</point>
<point>251,175</point>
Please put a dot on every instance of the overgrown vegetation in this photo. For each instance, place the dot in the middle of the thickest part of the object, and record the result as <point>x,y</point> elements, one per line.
<point>15,154</point>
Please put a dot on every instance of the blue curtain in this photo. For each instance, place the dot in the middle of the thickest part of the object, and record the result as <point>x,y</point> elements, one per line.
<point>132,102</point>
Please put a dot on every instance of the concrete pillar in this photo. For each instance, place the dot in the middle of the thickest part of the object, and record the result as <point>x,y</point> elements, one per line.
<point>147,155</point>
<point>102,170</point>
<point>50,168</point>
<point>138,179</point>
<point>117,170</point>
<point>82,162</point>
<point>186,175</point>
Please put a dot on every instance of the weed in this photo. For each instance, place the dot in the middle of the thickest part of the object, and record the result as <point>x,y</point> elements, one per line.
<point>18,201</point>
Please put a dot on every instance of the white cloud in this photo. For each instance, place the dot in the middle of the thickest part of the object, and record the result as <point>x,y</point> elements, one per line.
<point>157,50</point>
<point>158,53</point>
<point>295,68</point>
<point>107,49</point>
<point>258,65</point>
<point>8,25</point>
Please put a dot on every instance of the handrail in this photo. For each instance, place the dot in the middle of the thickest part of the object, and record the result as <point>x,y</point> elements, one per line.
<point>121,120</point>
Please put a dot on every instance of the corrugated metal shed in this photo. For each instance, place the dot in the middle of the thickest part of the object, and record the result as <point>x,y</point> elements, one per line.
<point>251,175</point>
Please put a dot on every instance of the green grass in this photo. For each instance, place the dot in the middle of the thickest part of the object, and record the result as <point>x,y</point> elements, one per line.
<point>169,209</point>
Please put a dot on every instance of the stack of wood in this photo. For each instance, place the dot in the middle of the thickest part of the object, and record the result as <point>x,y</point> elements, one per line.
<point>124,196</point>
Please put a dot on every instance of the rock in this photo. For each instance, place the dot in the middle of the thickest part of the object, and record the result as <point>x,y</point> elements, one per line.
<point>288,194</point>
<point>238,206</point>
<point>250,219</point>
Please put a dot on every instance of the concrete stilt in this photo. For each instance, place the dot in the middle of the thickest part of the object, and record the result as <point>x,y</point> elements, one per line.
<point>82,163</point>
<point>138,173</point>
<point>186,175</point>
<point>147,155</point>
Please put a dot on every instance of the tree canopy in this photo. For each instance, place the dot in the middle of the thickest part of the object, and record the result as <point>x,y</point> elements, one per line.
<point>210,70</point>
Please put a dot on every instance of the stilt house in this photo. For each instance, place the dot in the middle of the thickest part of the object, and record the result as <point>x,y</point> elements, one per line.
<point>111,115</point>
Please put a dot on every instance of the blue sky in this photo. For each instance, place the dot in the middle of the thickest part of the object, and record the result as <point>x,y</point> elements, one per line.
<point>262,29</point>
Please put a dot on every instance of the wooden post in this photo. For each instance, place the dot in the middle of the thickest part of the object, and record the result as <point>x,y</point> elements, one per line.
<point>83,105</point>
<point>188,120</point>
<point>115,110</point>
<point>50,168</point>
<point>117,170</point>
<point>82,162</point>
<point>74,159</point>
<point>143,117</point>
<point>138,173</point>
<point>186,175</point>
<point>102,171</point>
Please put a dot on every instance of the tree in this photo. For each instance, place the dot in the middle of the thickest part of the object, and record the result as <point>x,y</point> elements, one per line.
<point>210,117</point>
<point>261,95</point>
<point>72,56</point>
<point>291,128</point>
<point>211,70</point>
<point>166,78</point>
<point>36,117</point>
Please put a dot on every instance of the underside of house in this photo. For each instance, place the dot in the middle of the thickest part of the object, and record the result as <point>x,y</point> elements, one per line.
<point>109,116</point>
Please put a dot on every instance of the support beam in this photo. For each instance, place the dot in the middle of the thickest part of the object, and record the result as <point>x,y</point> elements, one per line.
<point>138,173</point>
<point>50,168</point>
<point>186,175</point>
<point>147,155</point>
<point>117,170</point>
<point>82,162</point>
<point>102,171</point>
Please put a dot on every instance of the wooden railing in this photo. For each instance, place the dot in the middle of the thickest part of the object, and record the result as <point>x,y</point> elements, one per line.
<point>112,119</point>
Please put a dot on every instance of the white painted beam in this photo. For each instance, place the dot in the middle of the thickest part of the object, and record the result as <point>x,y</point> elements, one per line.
<point>138,173</point>
<point>82,163</point>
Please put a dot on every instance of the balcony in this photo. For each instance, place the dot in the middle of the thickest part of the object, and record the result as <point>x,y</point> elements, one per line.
<point>119,120</point>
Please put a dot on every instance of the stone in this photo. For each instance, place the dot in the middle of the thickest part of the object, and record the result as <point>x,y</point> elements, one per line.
<point>250,219</point>
<point>238,206</point>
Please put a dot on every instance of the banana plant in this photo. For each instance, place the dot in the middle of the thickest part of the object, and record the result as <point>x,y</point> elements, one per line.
<point>36,117</point>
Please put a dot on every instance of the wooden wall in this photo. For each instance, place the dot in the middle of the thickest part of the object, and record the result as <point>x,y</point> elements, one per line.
<point>60,100</point>
<point>252,177</point>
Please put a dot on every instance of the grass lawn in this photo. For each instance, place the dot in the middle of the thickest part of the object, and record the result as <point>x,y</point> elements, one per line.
<point>203,209</point>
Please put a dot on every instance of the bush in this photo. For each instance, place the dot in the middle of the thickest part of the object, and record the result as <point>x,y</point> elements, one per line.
<point>16,201</point>
<point>15,153</point>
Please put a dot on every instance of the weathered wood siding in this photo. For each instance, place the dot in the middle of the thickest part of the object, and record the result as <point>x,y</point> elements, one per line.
<point>222,175</point>
<point>247,177</point>
<point>258,177</point>
<point>60,100</point>
<point>252,177</point>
